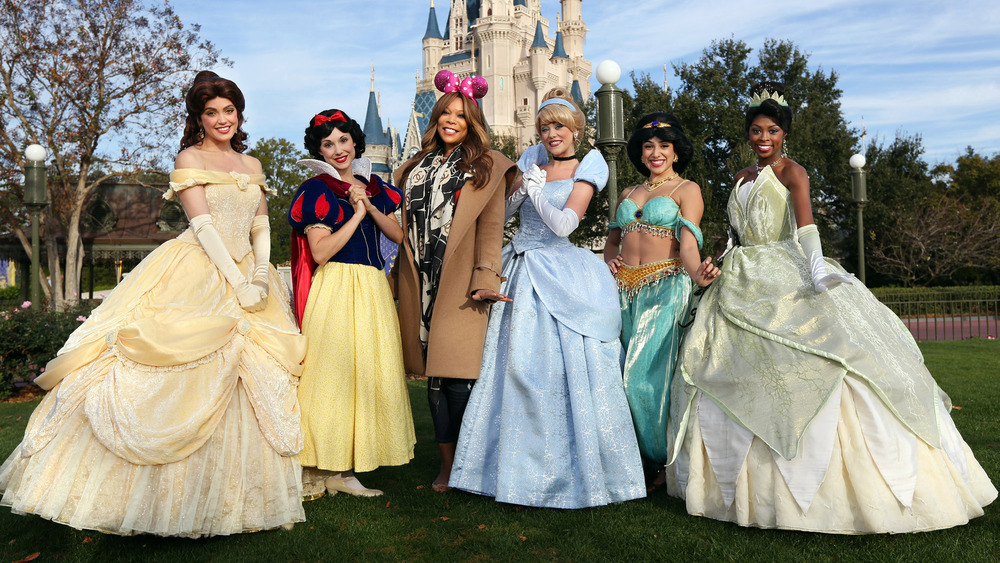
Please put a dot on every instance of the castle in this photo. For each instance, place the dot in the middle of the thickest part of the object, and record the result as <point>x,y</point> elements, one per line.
<point>509,43</point>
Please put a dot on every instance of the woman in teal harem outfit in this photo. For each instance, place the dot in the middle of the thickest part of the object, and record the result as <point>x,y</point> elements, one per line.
<point>800,401</point>
<point>652,250</point>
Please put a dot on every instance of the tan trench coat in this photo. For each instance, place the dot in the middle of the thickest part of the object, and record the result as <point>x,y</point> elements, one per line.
<point>471,262</point>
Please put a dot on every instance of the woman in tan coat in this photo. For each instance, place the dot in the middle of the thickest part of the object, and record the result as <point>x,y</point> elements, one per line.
<point>449,263</point>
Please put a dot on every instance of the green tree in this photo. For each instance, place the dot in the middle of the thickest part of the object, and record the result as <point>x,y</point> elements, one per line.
<point>278,157</point>
<point>899,183</point>
<point>919,231</point>
<point>100,83</point>
<point>973,175</point>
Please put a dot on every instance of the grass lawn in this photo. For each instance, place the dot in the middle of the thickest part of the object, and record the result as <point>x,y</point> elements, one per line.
<point>411,522</point>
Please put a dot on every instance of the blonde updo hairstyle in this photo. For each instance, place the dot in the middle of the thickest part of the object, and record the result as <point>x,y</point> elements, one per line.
<point>558,113</point>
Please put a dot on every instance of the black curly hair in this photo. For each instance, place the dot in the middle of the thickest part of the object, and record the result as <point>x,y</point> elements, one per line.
<point>782,115</point>
<point>671,132</point>
<point>316,133</point>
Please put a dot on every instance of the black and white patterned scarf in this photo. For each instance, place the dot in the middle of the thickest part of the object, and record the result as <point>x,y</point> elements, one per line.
<point>431,194</point>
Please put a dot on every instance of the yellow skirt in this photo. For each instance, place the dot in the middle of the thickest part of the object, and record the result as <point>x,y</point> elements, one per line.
<point>352,392</point>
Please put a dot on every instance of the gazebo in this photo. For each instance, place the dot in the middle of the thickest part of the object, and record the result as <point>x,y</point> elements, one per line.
<point>122,222</point>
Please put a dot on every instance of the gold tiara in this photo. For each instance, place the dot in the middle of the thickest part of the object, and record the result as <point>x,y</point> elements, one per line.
<point>759,98</point>
<point>655,124</point>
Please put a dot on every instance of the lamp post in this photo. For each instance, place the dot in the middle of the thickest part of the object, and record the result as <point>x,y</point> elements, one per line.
<point>859,192</point>
<point>610,125</point>
<point>35,199</point>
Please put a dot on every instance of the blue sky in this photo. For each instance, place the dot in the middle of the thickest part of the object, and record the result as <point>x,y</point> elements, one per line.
<point>908,66</point>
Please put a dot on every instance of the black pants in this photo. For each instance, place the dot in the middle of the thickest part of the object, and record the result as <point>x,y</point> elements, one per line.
<point>448,398</point>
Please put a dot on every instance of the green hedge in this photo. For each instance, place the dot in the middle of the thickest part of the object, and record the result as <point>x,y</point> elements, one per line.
<point>29,339</point>
<point>10,293</point>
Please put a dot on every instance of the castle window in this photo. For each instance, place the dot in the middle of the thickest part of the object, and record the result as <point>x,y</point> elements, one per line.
<point>525,101</point>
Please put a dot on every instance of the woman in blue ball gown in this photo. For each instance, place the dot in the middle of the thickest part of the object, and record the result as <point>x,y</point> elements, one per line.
<point>548,423</point>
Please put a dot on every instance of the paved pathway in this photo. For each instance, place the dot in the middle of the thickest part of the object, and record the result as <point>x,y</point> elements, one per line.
<point>953,328</point>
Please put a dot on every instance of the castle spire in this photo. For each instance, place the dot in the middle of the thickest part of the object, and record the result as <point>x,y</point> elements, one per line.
<point>374,135</point>
<point>559,51</point>
<point>539,36</point>
<point>433,31</point>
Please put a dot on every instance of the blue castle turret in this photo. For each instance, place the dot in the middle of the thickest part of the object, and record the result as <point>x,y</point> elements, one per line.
<point>559,51</point>
<point>539,37</point>
<point>433,31</point>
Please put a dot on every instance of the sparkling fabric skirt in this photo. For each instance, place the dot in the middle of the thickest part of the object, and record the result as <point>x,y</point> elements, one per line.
<point>653,305</point>
<point>355,405</point>
<point>547,423</point>
<point>173,411</point>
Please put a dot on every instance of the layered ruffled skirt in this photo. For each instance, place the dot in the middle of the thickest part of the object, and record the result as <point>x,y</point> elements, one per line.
<point>814,411</point>
<point>858,471</point>
<point>171,411</point>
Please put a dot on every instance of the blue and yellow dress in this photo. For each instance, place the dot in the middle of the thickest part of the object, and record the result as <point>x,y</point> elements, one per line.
<point>811,411</point>
<point>547,423</point>
<point>171,410</point>
<point>355,405</point>
<point>654,302</point>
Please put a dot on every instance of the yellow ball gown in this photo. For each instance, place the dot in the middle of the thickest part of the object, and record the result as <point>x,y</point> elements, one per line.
<point>171,410</point>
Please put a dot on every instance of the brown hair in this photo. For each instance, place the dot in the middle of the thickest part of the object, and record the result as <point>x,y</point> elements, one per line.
<point>476,159</point>
<point>207,86</point>
<point>558,113</point>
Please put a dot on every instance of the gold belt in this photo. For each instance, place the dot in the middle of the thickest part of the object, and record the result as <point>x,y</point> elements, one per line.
<point>633,278</point>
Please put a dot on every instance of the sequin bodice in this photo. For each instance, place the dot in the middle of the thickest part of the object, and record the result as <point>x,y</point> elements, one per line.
<point>233,199</point>
<point>657,216</point>
<point>534,233</point>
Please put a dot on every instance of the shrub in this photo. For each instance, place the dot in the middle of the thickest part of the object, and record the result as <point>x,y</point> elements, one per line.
<point>29,339</point>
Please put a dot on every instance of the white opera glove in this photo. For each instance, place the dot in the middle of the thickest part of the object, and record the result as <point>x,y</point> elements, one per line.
<point>561,221</point>
<point>251,298</point>
<point>514,201</point>
<point>813,249</point>
<point>260,236</point>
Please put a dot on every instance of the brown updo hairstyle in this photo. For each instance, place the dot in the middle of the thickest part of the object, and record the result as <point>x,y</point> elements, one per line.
<point>558,113</point>
<point>207,86</point>
<point>476,159</point>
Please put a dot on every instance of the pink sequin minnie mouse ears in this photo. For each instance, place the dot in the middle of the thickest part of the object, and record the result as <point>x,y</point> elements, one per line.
<point>472,87</point>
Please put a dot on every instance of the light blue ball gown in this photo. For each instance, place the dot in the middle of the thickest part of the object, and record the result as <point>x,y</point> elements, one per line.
<point>548,423</point>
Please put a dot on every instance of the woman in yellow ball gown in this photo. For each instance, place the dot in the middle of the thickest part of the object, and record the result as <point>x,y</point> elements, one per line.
<point>172,409</point>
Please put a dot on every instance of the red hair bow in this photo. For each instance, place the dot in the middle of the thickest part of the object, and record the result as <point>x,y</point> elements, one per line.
<point>320,119</point>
